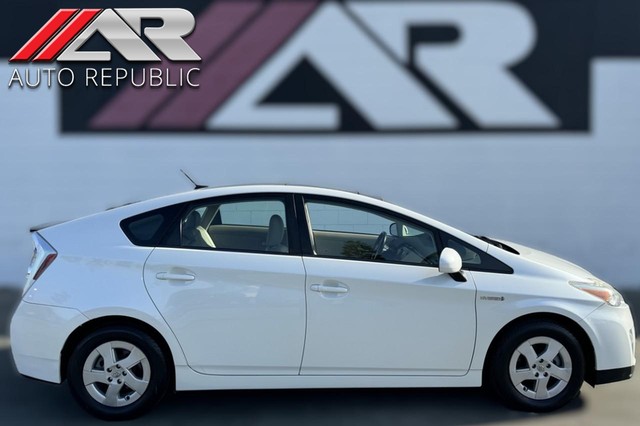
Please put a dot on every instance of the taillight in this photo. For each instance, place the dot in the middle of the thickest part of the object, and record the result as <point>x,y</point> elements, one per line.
<point>43,257</point>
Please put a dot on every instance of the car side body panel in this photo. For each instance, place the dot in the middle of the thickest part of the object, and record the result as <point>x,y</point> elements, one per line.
<point>38,333</point>
<point>243,313</point>
<point>189,380</point>
<point>539,289</point>
<point>102,277</point>
<point>405,320</point>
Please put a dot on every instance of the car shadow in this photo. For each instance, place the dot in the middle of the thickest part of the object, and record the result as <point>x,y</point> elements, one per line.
<point>343,406</point>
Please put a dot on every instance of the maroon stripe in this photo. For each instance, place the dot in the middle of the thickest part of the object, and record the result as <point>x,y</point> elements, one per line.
<point>219,79</point>
<point>130,108</point>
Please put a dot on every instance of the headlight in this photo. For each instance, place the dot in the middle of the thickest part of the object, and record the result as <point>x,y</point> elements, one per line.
<point>599,289</point>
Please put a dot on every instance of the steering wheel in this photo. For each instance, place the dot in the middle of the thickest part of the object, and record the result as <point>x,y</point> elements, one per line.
<point>378,246</point>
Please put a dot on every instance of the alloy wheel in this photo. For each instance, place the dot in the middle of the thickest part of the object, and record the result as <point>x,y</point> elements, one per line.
<point>116,373</point>
<point>540,368</point>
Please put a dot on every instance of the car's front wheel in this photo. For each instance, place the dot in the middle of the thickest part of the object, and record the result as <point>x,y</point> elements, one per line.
<point>538,366</point>
<point>117,373</point>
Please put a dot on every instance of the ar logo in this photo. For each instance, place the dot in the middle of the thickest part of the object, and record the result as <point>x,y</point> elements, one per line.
<point>309,66</point>
<point>68,29</point>
<point>364,50</point>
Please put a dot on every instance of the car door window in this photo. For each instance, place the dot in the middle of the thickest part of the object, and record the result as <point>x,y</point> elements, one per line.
<point>352,232</point>
<point>240,225</point>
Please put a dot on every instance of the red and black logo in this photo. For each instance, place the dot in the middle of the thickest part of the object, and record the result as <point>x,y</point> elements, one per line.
<point>62,37</point>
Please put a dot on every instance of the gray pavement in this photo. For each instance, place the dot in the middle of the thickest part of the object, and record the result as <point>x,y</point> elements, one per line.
<point>24,401</point>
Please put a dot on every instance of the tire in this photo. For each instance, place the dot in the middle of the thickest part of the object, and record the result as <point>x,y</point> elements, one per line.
<point>127,386</point>
<point>538,367</point>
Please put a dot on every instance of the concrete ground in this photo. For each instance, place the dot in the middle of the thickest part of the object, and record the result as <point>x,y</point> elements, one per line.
<point>24,401</point>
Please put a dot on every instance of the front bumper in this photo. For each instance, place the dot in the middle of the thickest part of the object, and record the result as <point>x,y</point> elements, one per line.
<point>38,334</point>
<point>615,375</point>
<point>612,334</point>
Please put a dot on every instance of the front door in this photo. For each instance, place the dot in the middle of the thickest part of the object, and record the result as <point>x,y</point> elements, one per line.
<point>377,304</point>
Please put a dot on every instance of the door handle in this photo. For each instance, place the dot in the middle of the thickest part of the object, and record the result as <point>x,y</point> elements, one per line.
<point>167,276</point>
<point>328,289</point>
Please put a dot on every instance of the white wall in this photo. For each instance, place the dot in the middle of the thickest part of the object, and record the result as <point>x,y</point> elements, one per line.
<point>575,195</point>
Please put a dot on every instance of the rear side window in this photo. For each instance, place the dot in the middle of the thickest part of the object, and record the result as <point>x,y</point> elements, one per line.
<point>255,224</point>
<point>148,228</point>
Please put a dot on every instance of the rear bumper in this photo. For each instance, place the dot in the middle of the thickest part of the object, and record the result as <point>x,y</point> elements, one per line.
<point>38,334</point>
<point>614,375</point>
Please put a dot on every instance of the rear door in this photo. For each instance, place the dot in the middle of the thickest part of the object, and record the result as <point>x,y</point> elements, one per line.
<point>236,304</point>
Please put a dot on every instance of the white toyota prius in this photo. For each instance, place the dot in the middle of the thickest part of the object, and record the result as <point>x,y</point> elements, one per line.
<point>281,286</point>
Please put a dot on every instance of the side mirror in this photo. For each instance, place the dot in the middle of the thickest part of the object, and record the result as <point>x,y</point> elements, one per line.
<point>450,261</point>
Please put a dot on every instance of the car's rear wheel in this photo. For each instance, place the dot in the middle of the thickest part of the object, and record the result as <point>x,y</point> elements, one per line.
<point>117,373</point>
<point>538,366</point>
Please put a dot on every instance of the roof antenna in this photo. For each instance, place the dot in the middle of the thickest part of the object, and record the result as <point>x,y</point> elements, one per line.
<point>195,185</point>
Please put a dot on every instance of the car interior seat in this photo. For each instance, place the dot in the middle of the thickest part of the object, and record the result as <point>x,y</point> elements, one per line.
<point>193,234</point>
<point>275,234</point>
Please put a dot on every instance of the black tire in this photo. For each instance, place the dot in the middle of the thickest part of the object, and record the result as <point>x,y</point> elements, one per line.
<point>158,380</point>
<point>498,375</point>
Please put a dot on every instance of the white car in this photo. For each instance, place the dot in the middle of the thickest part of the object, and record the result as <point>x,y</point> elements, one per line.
<point>281,286</point>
